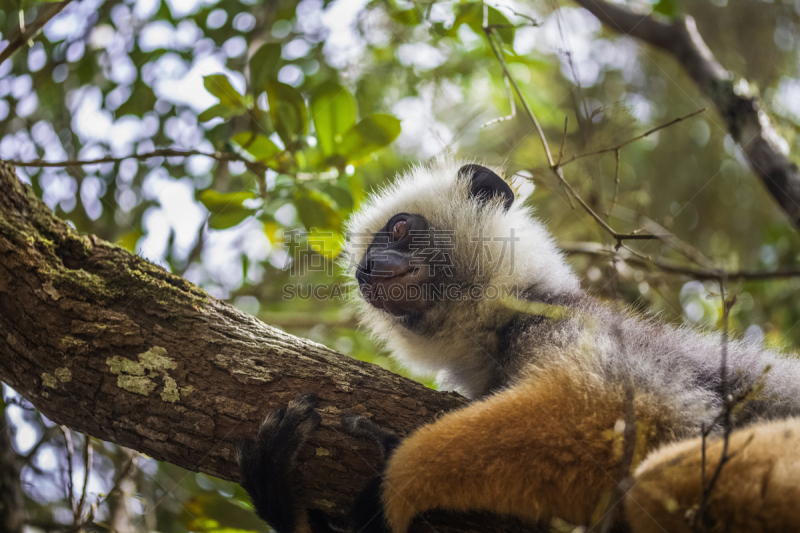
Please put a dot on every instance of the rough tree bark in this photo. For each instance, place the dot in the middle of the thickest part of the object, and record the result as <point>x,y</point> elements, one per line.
<point>748,125</point>
<point>111,345</point>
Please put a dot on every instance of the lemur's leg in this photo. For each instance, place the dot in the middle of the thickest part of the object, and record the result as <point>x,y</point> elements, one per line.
<point>535,451</point>
<point>758,489</point>
<point>267,466</point>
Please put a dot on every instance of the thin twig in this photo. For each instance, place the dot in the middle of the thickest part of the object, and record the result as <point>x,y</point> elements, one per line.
<point>130,464</point>
<point>532,21</point>
<point>511,103</point>
<point>743,115</point>
<point>26,34</point>
<point>70,453</point>
<point>87,469</point>
<point>636,259</point>
<point>633,139</point>
<point>619,237</point>
<point>563,141</point>
<point>491,35</point>
<point>616,185</point>
<point>164,152</point>
<point>728,405</point>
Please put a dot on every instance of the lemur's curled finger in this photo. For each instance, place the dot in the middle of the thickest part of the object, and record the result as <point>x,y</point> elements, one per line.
<point>363,427</point>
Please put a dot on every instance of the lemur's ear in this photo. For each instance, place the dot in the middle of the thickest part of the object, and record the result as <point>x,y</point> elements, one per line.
<point>486,184</point>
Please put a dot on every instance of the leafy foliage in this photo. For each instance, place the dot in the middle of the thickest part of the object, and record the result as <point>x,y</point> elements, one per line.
<point>320,105</point>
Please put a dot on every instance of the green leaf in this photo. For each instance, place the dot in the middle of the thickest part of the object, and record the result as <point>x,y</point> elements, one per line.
<point>326,243</point>
<point>257,145</point>
<point>226,208</point>
<point>218,110</point>
<point>408,17</point>
<point>220,86</point>
<point>288,111</point>
<point>232,216</point>
<point>334,112</point>
<point>667,8</point>
<point>317,210</point>
<point>273,231</point>
<point>369,135</point>
<point>264,66</point>
<point>471,14</point>
<point>137,105</point>
<point>129,240</point>
<point>342,196</point>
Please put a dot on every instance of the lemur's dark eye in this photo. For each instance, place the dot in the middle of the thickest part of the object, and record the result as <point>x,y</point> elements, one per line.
<point>399,230</point>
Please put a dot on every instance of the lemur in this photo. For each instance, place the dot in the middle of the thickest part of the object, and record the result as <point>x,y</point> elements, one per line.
<point>458,279</point>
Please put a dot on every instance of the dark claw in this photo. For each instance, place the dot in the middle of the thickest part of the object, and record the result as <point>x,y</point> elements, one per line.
<point>363,427</point>
<point>308,397</point>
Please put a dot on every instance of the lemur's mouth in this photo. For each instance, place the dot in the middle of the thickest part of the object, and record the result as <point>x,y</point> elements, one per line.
<point>399,292</point>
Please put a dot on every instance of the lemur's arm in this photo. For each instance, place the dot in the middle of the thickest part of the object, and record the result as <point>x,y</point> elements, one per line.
<point>538,450</point>
<point>542,449</point>
<point>518,453</point>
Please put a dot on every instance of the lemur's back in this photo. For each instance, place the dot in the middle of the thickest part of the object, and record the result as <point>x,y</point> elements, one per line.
<point>677,365</point>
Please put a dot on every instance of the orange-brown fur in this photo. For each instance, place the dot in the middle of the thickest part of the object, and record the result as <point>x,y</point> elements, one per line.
<point>758,489</point>
<point>544,448</point>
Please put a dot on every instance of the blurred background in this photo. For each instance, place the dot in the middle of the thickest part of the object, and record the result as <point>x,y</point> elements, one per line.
<point>324,101</point>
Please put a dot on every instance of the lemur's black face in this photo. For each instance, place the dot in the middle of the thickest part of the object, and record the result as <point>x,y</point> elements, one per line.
<point>404,263</point>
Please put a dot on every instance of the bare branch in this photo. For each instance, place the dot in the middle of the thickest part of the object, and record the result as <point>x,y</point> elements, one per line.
<point>621,145</point>
<point>70,472</point>
<point>748,125</point>
<point>563,142</point>
<point>492,36</point>
<point>163,152</point>
<point>129,467</point>
<point>728,404</point>
<point>87,470</point>
<point>641,261</point>
<point>26,34</point>
<point>616,184</point>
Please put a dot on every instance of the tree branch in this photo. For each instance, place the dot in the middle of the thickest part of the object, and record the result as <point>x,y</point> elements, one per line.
<point>748,125</point>
<point>642,261</point>
<point>491,35</point>
<point>106,343</point>
<point>162,152</point>
<point>27,33</point>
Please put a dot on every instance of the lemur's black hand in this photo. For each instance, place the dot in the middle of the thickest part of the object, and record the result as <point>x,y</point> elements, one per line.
<point>367,513</point>
<point>266,464</point>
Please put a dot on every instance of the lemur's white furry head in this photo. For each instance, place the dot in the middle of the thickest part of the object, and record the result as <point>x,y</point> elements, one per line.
<point>484,243</point>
